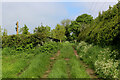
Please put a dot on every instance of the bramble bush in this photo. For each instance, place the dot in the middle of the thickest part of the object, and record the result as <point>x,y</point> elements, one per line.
<point>49,47</point>
<point>102,60</point>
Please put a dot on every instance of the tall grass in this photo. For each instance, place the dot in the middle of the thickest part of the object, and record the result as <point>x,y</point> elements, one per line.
<point>66,51</point>
<point>14,65</point>
<point>61,66</point>
<point>76,69</point>
<point>37,67</point>
<point>27,63</point>
<point>59,70</point>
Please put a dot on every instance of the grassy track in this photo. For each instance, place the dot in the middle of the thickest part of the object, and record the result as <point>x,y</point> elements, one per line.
<point>68,61</point>
<point>59,70</point>
<point>14,64</point>
<point>76,69</point>
<point>65,65</point>
<point>37,67</point>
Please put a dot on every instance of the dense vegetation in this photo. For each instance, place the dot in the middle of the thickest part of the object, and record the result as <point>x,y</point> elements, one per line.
<point>102,60</point>
<point>25,62</point>
<point>28,55</point>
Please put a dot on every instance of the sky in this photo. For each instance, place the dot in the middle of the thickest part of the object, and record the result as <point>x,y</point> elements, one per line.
<point>48,13</point>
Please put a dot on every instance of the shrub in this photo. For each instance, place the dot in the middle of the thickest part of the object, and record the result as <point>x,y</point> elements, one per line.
<point>106,65</point>
<point>102,60</point>
<point>107,68</point>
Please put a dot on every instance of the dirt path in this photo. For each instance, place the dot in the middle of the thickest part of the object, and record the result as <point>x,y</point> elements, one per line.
<point>52,61</point>
<point>90,72</point>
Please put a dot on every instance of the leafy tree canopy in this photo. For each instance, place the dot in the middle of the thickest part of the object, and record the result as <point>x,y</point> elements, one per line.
<point>58,32</point>
<point>84,18</point>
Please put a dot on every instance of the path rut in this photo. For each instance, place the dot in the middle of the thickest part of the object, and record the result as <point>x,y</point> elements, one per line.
<point>51,65</point>
<point>90,72</point>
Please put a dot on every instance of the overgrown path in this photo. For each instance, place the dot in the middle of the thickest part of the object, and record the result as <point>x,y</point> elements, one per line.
<point>66,65</point>
<point>53,59</point>
<point>88,70</point>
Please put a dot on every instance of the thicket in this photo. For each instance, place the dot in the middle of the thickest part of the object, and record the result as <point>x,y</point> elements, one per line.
<point>23,41</point>
<point>105,29</point>
<point>48,47</point>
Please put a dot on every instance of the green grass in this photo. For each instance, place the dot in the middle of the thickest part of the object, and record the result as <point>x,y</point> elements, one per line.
<point>30,63</point>
<point>66,51</point>
<point>76,69</point>
<point>34,63</point>
<point>59,70</point>
<point>37,67</point>
<point>14,64</point>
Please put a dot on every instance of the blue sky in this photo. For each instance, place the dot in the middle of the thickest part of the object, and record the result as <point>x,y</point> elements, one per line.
<point>48,13</point>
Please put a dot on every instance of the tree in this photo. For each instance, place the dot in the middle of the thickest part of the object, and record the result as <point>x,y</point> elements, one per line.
<point>80,24</point>
<point>66,24</point>
<point>42,32</point>
<point>24,30</point>
<point>74,29</point>
<point>59,32</point>
<point>84,18</point>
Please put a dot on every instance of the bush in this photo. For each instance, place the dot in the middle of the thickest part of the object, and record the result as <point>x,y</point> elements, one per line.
<point>102,60</point>
<point>8,51</point>
<point>107,68</point>
<point>50,47</point>
<point>106,65</point>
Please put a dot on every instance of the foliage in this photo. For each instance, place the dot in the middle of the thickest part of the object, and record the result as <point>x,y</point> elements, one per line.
<point>22,40</point>
<point>104,29</point>
<point>102,60</point>
<point>66,23</point>
<point>22,63</point>
<point>77,26</point>
<point>5,32</point>
<point>107,68</point>
<point>42,30</point>
<point>84,18</point>
<point>66,50</point>
<point>58,32</point>
<point>24,30</point>
<point>74,29</point>
<point>50,47</point>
